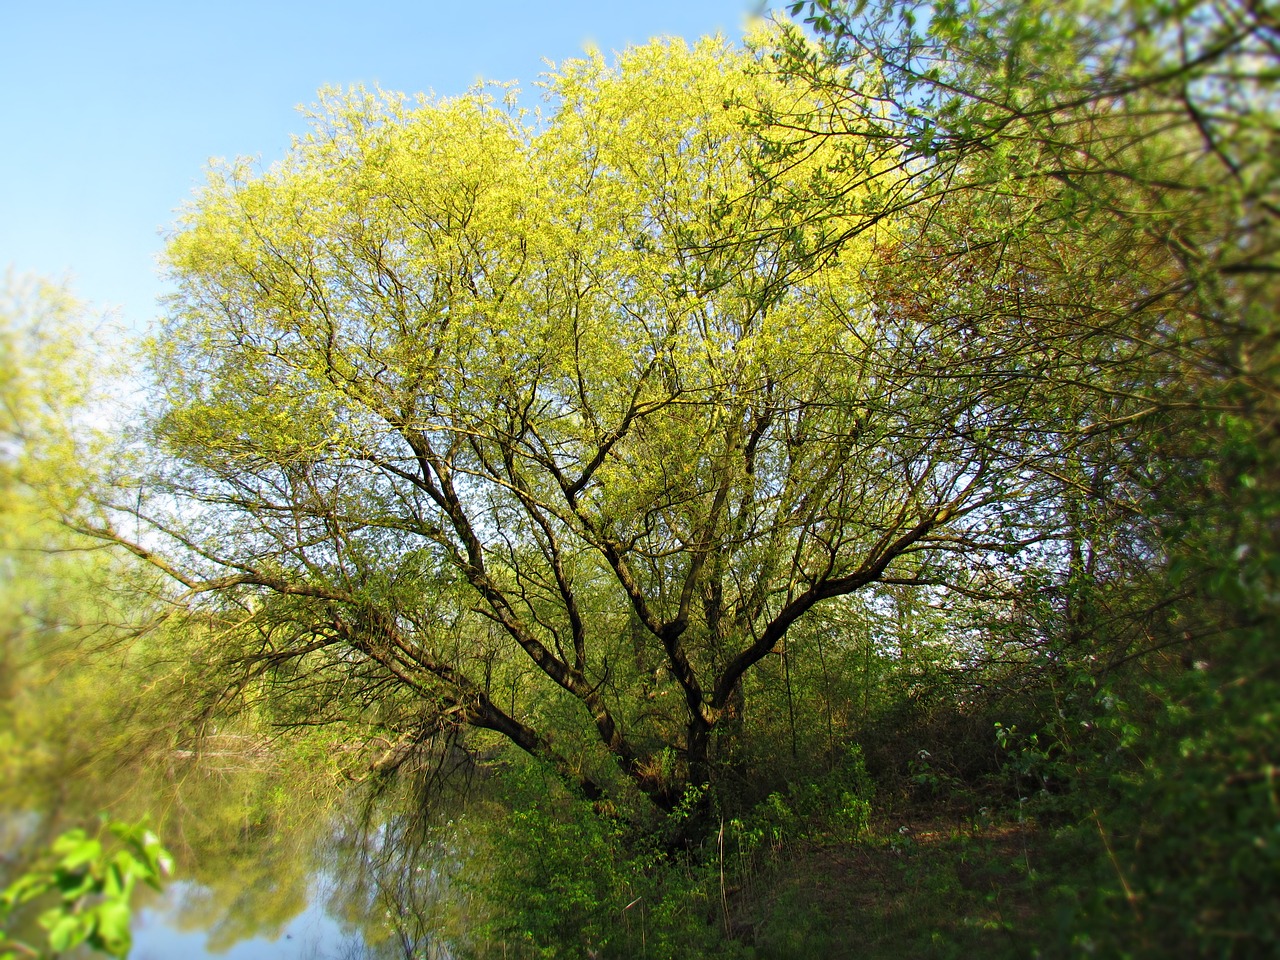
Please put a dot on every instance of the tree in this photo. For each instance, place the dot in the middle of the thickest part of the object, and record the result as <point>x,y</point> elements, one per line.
<point>1141,135</point>
<point>1124,159</point>
<point>1144,136</point>
<point>556,427</point>
<point>57,596</point>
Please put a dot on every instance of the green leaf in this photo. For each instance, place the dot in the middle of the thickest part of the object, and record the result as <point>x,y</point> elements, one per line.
<point>75,849</point>
<point>112,934</point>
<point>27,887</point>
<point>116,883</point>
<point>73,884</point>
<point>65,930</point>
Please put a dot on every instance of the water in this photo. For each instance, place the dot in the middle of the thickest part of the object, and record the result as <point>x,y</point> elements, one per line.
<point>161,933</point>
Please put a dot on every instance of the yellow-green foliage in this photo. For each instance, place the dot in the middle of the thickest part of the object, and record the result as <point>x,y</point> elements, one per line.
<point>573,318</point>
<point>418,261</point>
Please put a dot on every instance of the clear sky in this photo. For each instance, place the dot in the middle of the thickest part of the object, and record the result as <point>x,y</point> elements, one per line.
<point>110,111</point>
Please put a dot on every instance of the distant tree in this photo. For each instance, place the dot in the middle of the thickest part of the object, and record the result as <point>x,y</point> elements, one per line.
<point>51,610</point>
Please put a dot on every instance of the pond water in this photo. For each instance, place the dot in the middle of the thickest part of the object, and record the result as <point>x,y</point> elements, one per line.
<point>161,933</point>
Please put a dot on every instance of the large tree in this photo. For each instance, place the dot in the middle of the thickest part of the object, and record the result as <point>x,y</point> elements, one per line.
<point>556,425</point>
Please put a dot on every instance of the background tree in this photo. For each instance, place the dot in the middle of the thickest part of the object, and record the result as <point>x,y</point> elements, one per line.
<point>1131,154</point>
<point>58,593</point>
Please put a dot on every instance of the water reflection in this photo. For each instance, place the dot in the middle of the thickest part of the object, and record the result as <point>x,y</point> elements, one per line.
<point>164,931</point>
<point>395,881</point>
<point>354,892</point>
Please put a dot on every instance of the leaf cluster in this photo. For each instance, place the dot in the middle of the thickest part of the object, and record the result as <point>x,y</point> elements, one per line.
<point>93,884</point>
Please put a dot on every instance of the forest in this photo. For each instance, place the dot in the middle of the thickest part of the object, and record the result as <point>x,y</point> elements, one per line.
<point>814,496</point>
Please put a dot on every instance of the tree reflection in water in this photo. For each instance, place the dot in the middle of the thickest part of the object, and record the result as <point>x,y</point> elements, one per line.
<point>358,879</point>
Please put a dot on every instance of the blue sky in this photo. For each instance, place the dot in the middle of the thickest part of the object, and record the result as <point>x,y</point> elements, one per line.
<point>111,111</point>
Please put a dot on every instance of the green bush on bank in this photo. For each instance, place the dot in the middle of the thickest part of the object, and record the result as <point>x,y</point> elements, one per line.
<point>564,881</point>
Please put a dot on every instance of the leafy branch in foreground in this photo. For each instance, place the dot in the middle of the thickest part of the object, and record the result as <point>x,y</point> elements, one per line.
<point>93,883</point>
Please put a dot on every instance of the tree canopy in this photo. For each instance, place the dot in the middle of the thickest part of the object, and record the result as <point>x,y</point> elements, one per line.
<point>474,416</point>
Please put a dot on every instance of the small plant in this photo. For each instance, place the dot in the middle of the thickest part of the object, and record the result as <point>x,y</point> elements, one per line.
<point>1030,761</point>
<point>924,774</point>
<point>93,884</point>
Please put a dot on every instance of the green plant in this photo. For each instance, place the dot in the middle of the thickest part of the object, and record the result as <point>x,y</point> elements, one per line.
<point>928,776</point>
<point>1025,758</point>
<point>835,806</point>
<point>93,883</point>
